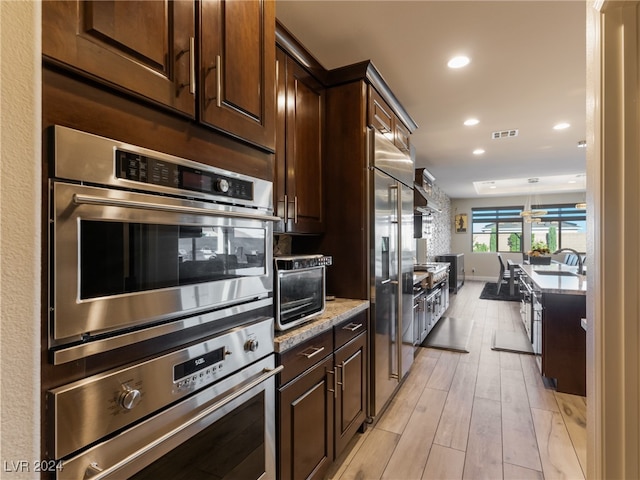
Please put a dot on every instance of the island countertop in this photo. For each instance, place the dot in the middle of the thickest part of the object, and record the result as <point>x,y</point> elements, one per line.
<point>335,312</point>
<point>558,283</point>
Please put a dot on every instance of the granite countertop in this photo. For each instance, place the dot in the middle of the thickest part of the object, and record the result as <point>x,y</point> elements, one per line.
<point>562,284</point>
<point>336,311</point>
<point>419,276</point>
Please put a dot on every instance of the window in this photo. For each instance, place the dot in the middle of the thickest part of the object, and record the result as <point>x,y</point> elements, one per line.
<point>496,229</point>
<point>564,226</point>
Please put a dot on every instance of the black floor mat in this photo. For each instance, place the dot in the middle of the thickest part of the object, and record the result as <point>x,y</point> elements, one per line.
<point>489,293</point>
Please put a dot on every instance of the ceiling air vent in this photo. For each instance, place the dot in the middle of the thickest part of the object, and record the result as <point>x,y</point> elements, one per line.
<point>504,134</point>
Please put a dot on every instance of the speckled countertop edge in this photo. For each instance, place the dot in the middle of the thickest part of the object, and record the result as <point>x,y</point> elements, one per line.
<point>336,311</point>
<point>567,285</point>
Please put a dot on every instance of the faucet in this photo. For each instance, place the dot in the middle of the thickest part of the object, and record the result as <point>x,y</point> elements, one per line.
<point>580,262</point>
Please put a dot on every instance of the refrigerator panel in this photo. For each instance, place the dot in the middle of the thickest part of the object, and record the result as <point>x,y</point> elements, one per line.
<point>384,260</point>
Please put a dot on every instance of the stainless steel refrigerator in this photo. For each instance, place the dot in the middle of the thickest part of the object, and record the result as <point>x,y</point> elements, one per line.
<point>392,257</point>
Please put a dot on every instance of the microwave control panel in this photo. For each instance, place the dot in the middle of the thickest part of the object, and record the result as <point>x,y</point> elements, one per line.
<point>145,169</point>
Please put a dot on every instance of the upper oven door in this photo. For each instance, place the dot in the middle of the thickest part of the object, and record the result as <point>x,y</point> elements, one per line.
<point>123,259</point>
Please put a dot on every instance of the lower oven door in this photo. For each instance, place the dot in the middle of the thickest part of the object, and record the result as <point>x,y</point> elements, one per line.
<point>224,431</point>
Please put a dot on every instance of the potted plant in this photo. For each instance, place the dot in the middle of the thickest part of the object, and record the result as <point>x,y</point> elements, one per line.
<point>540,252</point>
<point>538,249</point>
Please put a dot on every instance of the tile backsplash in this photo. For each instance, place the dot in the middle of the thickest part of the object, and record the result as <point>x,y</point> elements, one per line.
<point>436,227</point>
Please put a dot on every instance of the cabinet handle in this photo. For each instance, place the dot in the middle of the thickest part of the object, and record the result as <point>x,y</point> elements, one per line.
<point>218,81</point>
<point>314,351</point>
<point>192,65</point>
<point>383,128</point>
<point>341,368</point>
<point>335,384</point>
<point>295,209</point>
<point>352,327</point>
<point>286,207</point>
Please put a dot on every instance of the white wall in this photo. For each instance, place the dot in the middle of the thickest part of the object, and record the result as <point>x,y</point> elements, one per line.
<point>485,264</point>
<point>20,181</point>
<point>613,175</point>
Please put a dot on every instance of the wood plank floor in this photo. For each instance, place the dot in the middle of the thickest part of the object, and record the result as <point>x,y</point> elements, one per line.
<point>481,415</point>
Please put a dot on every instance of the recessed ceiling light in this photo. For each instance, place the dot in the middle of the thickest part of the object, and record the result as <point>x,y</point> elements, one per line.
<point>471,121</point>
<point>572,181</point>
<point>459,62</point>
<point>561,126</point>
<point>493,186</point>
<point>478,151</point>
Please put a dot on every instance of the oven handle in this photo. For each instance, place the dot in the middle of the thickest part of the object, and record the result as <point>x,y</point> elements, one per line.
<point>94,472</point>
<point>115,202</point>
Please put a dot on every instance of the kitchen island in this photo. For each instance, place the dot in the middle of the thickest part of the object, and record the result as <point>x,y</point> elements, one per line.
<point>560,302</point>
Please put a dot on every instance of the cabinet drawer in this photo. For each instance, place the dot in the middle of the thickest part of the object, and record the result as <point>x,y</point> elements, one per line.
<point>349,329</point>
<point>305,355</point>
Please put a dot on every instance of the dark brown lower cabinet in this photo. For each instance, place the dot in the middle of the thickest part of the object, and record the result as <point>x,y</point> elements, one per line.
<point>321,406</point>
<point>350,398</point>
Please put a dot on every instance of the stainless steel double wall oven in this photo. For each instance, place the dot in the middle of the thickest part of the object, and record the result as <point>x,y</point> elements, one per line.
<point>166,265</point>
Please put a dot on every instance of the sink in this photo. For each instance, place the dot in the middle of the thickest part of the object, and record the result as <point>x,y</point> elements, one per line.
<point>556,273</point>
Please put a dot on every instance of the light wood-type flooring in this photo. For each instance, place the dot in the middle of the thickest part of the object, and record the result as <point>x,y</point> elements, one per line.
<point>480,415</point>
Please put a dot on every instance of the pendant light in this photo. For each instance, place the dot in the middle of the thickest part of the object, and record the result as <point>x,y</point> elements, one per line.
<point>529,213</point>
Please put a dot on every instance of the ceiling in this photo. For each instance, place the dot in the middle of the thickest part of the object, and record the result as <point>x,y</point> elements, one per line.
<point>527,73</point>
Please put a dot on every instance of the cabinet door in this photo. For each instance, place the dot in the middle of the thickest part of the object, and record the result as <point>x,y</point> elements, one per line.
<point>237,68</point>
<point>299,148</point>
<point>143,47</point>
<point>401,135</point>
<point>380,114</point>
<point>351,373</point>
<point>305,447</point>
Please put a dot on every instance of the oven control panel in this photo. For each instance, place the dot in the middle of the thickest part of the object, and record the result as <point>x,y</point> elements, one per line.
<point>200,370</point>
<point>106,402</point>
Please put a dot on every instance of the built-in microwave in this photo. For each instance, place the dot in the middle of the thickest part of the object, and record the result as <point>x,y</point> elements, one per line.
<point>300,288</point>
<point>141,240</point>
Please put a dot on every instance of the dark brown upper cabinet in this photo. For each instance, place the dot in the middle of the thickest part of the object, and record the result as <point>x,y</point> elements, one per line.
<point>300,129</point>
<point>222,59</point>
<point>237,68</point>
<point>144,47</point>
<point>382,118</point>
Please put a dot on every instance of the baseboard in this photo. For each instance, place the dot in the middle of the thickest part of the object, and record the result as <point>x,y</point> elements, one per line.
<point>470,278</point>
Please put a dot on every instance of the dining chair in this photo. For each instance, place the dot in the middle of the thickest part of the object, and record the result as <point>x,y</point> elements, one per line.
<point>505,274</point>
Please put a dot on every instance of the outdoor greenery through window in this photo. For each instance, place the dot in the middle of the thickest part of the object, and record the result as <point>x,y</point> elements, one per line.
<point>500,229</point>
<point>564,226</point>
<point>496,229</point>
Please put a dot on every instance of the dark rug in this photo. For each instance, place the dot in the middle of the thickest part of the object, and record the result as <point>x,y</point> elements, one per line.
<point>450,334</point>
<point>489,293</point>
<point>515,341</point>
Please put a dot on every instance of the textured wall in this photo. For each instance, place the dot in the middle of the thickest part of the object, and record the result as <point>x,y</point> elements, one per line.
<point>20,180</point>
<point>436,227</point>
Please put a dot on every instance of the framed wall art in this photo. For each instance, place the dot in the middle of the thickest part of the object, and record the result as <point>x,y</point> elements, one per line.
<point>462,222</point>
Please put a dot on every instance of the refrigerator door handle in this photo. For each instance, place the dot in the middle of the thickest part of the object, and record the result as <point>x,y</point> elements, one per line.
<point>397,282</point>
